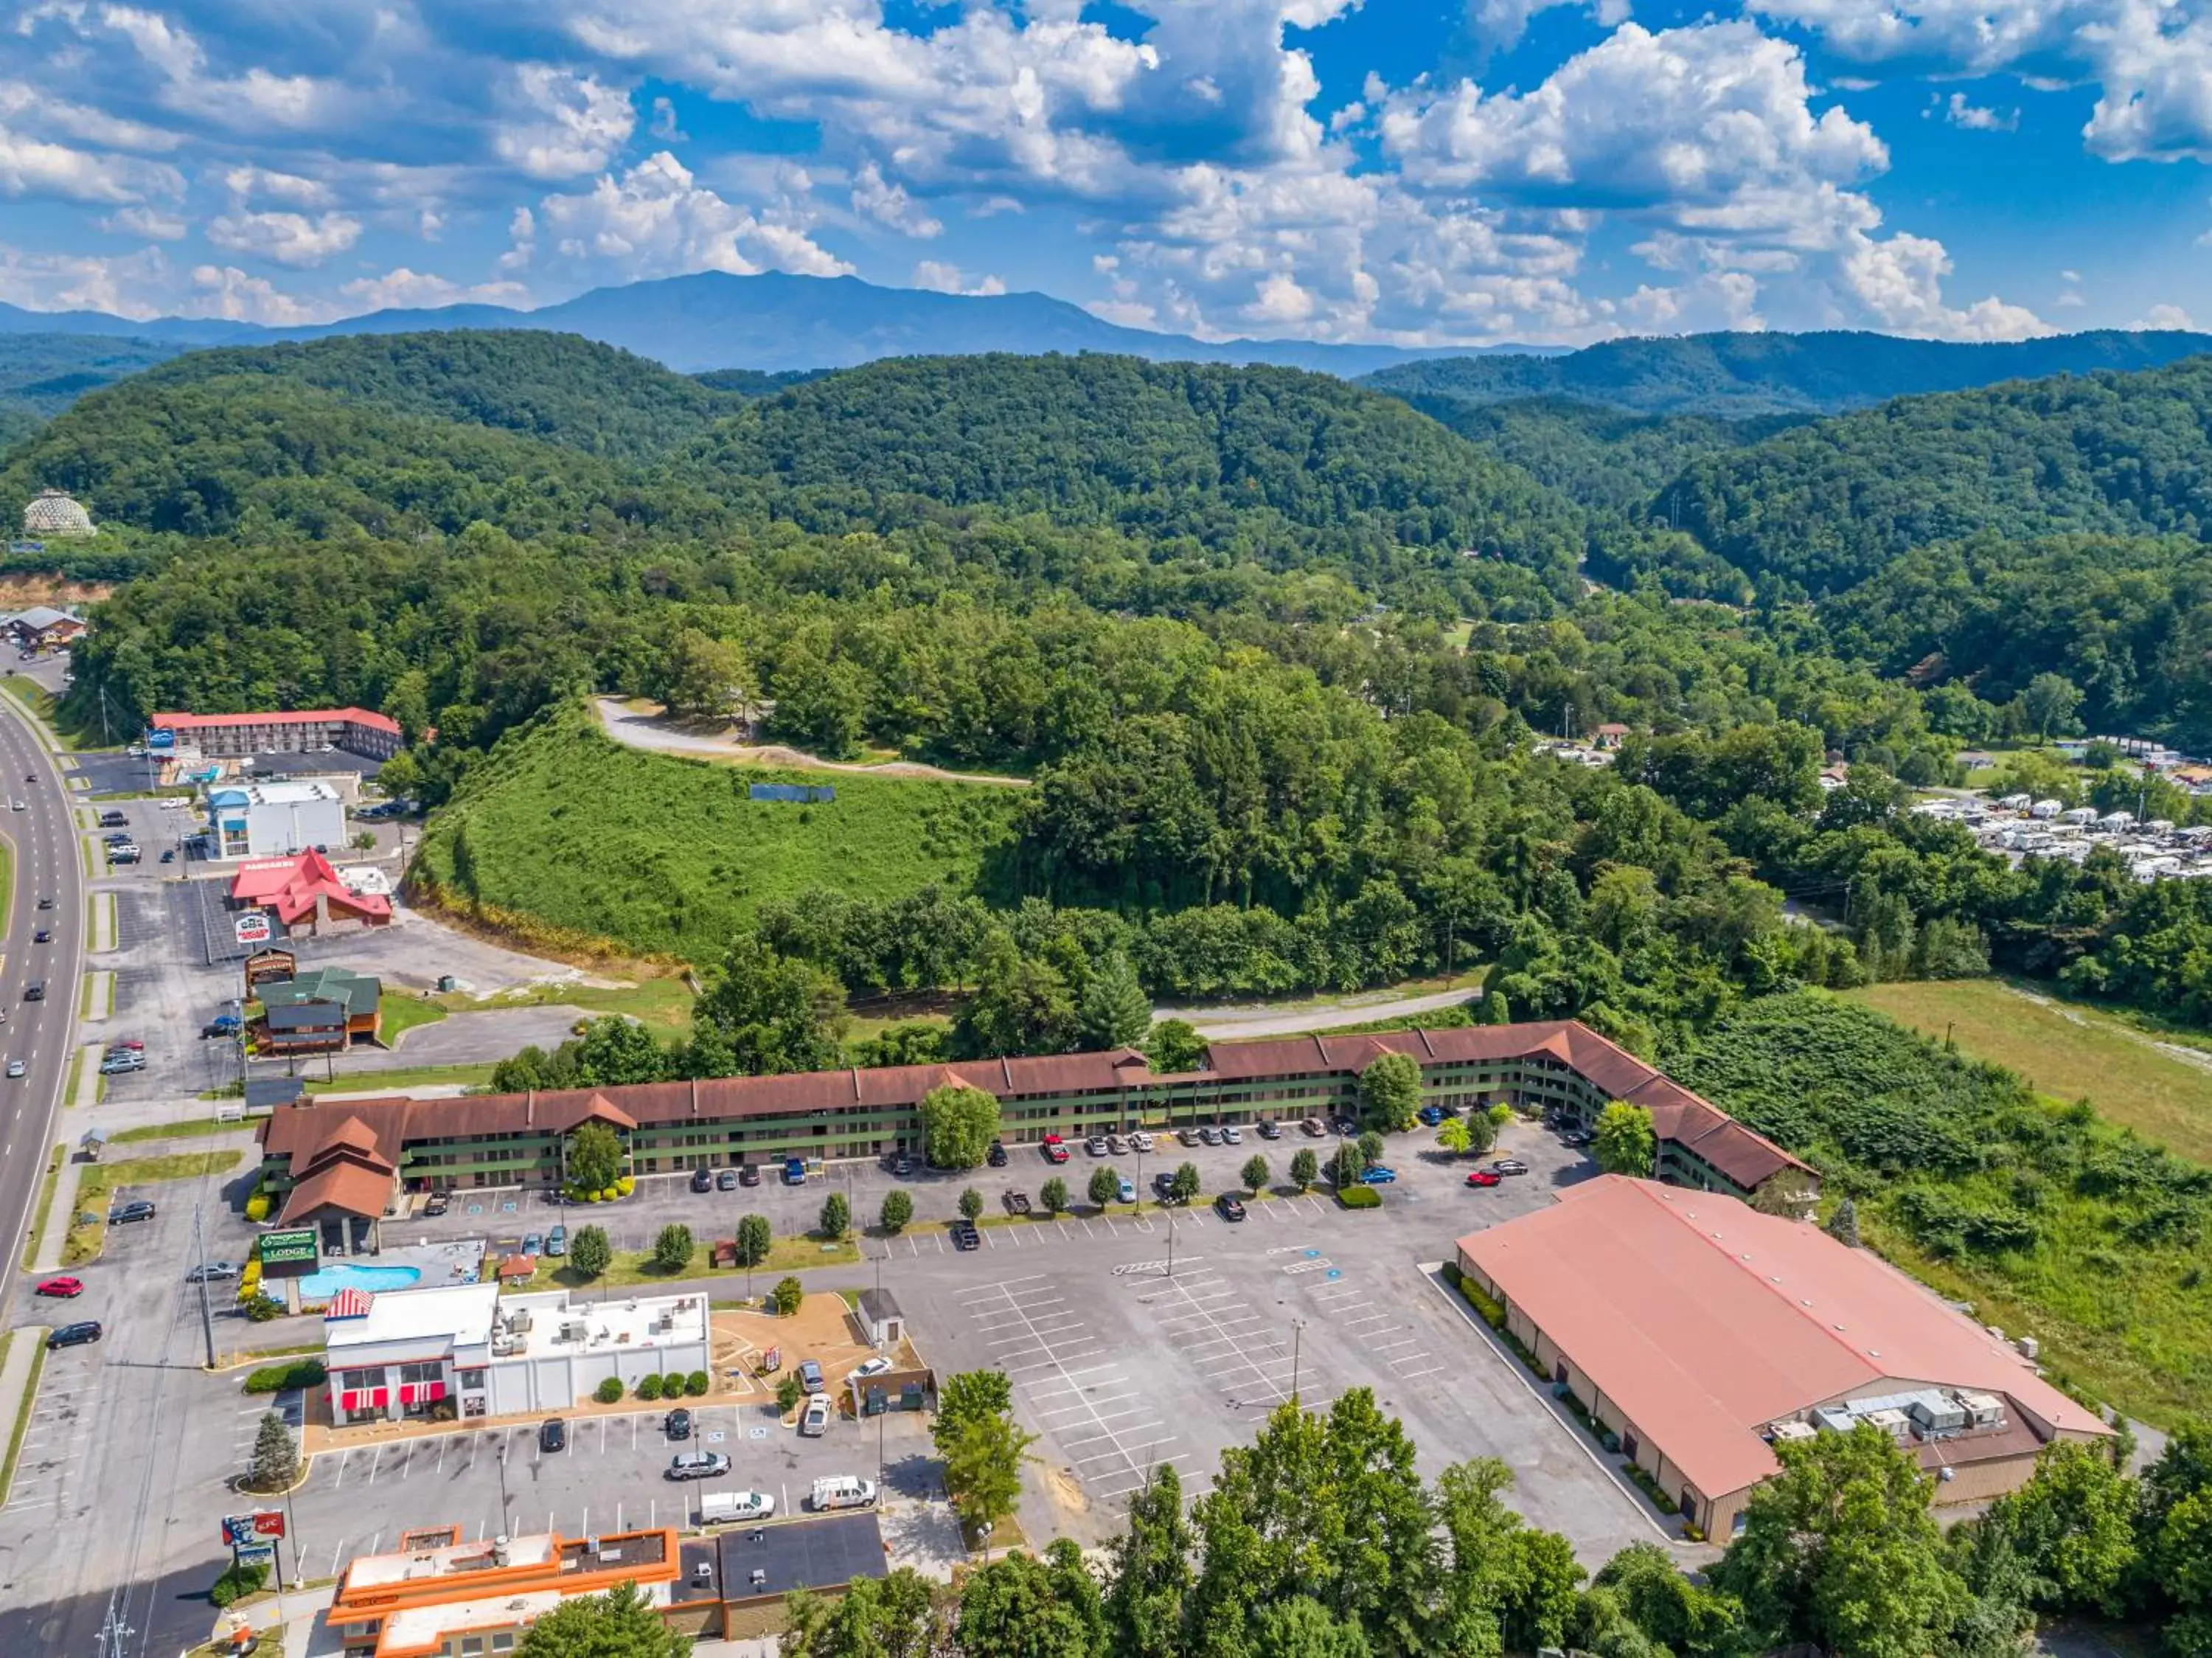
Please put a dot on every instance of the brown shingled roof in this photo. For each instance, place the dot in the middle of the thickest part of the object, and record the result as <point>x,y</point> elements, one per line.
<point>348,1187</point>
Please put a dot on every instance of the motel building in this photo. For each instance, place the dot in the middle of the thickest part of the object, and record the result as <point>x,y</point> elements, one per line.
<point>464,1350</point>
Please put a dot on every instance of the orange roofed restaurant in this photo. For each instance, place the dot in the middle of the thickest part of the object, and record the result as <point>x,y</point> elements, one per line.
<point>1704,1333</point>
<point>439,1597</point>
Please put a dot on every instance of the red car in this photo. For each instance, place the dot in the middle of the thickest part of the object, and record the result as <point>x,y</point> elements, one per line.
<point>1054,1152</point>
<point>63,1289</point>
<point>1485,1177</point>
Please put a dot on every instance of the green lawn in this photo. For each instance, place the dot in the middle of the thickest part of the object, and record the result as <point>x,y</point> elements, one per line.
<point>664,1003</point>
<point>403,1011</point>
<point>99,1180</point>
<point>565,838</point>
<point>45,1209</point>
<point>40,701</point>
<point>416,1076</point>
<point>2067,1051</point>
<point>193,1129</point>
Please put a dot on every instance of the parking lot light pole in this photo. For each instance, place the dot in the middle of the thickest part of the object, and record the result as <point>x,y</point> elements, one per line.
<point>1298,1333</point>
<point>503,1444</point>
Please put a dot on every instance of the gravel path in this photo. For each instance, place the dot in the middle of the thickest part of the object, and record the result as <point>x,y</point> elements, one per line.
<point>637,730</point>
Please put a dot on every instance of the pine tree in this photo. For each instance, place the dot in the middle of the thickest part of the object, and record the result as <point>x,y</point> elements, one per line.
<point>1115,1011</point>
<point>1843,1224</point>
<point>275,1455</point>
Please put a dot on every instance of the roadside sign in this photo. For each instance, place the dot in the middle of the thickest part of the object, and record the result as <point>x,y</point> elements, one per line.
<point>254,1552</point>
<point>253,928</point>
<point>238,1531</point>
<point>292,1254</point>
<point>268,1523</point>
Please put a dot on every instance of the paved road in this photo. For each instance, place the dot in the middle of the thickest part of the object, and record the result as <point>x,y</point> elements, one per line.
<point>43,837</point>
<point>1252,1019</point>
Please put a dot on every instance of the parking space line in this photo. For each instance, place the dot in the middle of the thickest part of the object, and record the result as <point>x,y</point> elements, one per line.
<point>1408,1375</point>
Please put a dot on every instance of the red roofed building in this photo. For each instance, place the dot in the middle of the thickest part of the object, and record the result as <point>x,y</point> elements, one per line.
<point>306,894</point>
<point>303,731</point>
<point>1702,1332</point>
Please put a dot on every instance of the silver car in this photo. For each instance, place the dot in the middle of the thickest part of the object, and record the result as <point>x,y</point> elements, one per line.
<point>698,1465</point>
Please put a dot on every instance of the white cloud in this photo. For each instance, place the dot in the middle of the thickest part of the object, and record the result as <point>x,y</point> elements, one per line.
<point>52,116</point>
<point>566,125</point>
<point>941,278</point>
<point>890,205</point>
<point>227,291</point>
<point>245,183</point>
<point>2164,316</point>
<point>31,165</point>
<point>292,239</point>
<point>250,102</point>
<point>657,220</point>
<point>1900,281</point>
<point>401,289</point>
<point>132,285</point>
<point>665,127</point>
<point>147,221</point>
<point>1978,118</point>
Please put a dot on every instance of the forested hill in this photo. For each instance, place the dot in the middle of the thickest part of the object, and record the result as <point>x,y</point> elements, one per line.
<point>562,388</point>
<point>1737,374</point>
<point>1237,459</point>
<point>1825,506</point>
<point>41,375</point>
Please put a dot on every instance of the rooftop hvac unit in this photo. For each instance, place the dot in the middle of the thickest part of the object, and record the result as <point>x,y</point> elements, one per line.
<point>1832,1419</point>
<point>519,1318</point>
<point>1895,1424</point>
<point>574,1330</point>
<point>1936,1413</point>
<point>1982,1409</point>
<point>1782,1432</point>
<point>2030,1349</point>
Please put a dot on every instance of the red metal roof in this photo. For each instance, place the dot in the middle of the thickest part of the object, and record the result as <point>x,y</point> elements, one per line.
<point>291,886</point>
<point>1705,1320</point>
<point>287,717</point>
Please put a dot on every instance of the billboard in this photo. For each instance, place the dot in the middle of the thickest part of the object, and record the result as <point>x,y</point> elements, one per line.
<point>291,1254</point>
<point>253,928</point>
<point>245,1531</point>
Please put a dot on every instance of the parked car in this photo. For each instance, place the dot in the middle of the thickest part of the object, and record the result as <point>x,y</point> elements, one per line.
<point>1115,1145</point>
<point>749,1175</point>
<point>1509,1165</point>
<point>815,1422</point>
<point>556,1242</point>
<point>723,1507</point>
<point>1313,1126</point>
<point>698,1465</point>
<point>901,1166</point>
<point>1129,1192</point>
<point>676,1424</point>
<point>810,1375</point>
<point>73,1335</point>
<point>1232,1135</point>
<point>553,1436</point>
<point>532,1244</point>
<point>1187,1136</point>
<point>113,1065</point>
<point>130,1042</point>
<point>1017,1203</point>
<point>1580,1138</point>
<point>996,1156</point>
<point>214,1272</point>
<point>726,1180</point>
<point>168,855</point>
<point>1210,1134</point>
<point>965,1236</point>
<point>1228,1208</point>
<point>1270,1129</point>
<point>841,1491</point>
<point>873,1367</point>
<point>436,1204</point>
<point>1347,1126</point>
<point>701,1180</point>
<point>125,1214</point>
<point>1141,1141</point>
<point>60,1288</point>
<point>1376,1174</point>
<point>1095,1145</point>
<point>1485,1177</point>
<point>794,1171</point>
<point>1054,1152</point>
<point>1431,1115</point>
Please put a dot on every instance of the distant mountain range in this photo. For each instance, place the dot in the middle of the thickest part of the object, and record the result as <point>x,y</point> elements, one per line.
<point>770,322</point>
<point>1746,374</point>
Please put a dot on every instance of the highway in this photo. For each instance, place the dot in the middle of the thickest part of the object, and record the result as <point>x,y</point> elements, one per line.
<point>43,842</point>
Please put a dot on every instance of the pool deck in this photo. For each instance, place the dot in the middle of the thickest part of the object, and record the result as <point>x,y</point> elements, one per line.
<point>458,1262</point>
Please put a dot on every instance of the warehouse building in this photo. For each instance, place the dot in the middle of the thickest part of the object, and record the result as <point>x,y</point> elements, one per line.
<point>275,819</point>
<point>1703,1333</point>
<point>1561,1070</point>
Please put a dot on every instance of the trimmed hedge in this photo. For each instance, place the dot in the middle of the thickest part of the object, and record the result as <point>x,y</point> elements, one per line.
<point>237,1582</point>
<point>697,1383</point>
<point>1359,1197</point>
<point>609,1390</point>
<point>648,1387</point>
<point>278,1378</point>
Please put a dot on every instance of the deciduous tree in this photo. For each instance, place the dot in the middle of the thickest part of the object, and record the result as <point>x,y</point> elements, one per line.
<point>1020,1606</point>
<point>620,1623</point>
<point>958,1124</point>
<point>1390,1092</point>
<point>897,1210</point>
<point>672,1247</point>
<point>590,1254</point>
<point>1305,1168</point>
<point>837,1216</point>
<point>1105,1185</point>
<point>1626,1142</point>
<point>754,1240</point>
<point>594,1157</point>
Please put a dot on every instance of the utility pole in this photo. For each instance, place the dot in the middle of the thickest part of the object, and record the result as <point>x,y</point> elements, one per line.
<point>503,1444</point>
<point>114,1633</point>
<point>207,1315</point>
<point>1297,1333</point>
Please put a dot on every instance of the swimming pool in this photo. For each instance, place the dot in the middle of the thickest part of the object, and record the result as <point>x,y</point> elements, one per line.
<point>323,1285</point>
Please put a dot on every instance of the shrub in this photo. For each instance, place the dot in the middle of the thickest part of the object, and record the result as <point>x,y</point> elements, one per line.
<point>279,1378</point>
<point>258,1207</point>
<point>624,1186</point>
<point>1359,1197</point>
<point>788,1393</point>
<point>609,1391</point>
<point>1493,1314</point>
<point>262,1308</point>
<point>696,1384</point>
<point>897,1211</point>
<point>648,1387</point>
<point>787,1294</point>
<point>672,1384</point>
<point>237,1582</point>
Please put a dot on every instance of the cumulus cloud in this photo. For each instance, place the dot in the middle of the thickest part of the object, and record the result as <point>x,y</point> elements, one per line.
<point>28,106</point>
<point>401,289</point>
<point>942,278</point>
<point>31,165</point>
<point>657,220</point>
<point>292,239</point>
<point>250,102</point>
<point>245,183</point>
<point>131,285</point>
<point>890,205</point>
<point>147,222</point>
<point>2164,316</point>
<point>564,124</point>
<point>1959,111</point>
<point>224,290</point>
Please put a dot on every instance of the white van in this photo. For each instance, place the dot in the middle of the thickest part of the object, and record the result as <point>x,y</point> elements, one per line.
<point>729,1508</point>
<point>843,1491</point>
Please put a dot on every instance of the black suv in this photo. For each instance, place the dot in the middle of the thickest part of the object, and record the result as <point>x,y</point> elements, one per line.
<point>701,1180</point>
<point>73,1335</point>
<point>965,1236</point>
<point>124,1214</point>
<point>996,1157</point>
<point>553,1437</point>
<point>676,1424</point>
<point>1229,1208</point>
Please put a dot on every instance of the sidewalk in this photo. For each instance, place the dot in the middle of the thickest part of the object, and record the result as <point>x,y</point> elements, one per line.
<point>49,1255</point>
<point>15,1379</point>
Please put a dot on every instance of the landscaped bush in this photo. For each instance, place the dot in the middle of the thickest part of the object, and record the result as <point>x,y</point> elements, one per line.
<point>1649,1487</point>
<point>280,1378</point>
<point>697,1383</point>
<point>624,1186</point>
<point>609,1391</point>
<point>672,1384</point>
<point>1359,1197</point>
<point>260,1309</point>
<point>237,1582</point>
<point>648,1387</point>
<point>258,1207</point>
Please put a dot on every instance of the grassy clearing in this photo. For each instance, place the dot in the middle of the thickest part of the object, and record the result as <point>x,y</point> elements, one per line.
<point>46,1207</point>
<point>2066,1050</point>
<point>403,1012</point>
<point>23,1412</point>
<point>40,703</point>
<point>567,830</point>
<point>404,1077</point>
<point>98,1180</point>
<point>194,1129</point>
<point>663,1003</point>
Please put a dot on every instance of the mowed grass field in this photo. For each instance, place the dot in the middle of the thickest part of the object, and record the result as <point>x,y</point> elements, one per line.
<point>2065,1051</point>
<point>669,856</point>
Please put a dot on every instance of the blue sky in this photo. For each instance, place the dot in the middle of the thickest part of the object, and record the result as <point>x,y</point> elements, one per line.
<point>1409,171</point>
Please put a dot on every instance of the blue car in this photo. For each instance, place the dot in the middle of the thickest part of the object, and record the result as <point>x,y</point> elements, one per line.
<point>794,1171</point>
<point>1432,1115</point>
<point>1377,1175</point>
<point>1129,1194</point>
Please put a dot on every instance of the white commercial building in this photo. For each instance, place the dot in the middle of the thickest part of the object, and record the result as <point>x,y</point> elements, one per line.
<point>275,819</point>
<point>467,1351</point>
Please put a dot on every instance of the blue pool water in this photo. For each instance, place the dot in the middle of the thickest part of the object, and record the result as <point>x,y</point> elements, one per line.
<point>321,1286</point>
